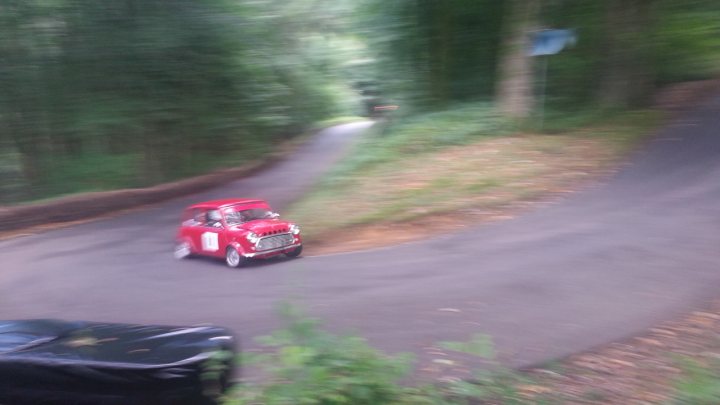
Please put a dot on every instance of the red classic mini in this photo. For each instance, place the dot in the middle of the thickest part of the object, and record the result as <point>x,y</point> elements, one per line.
<point>236,229</point>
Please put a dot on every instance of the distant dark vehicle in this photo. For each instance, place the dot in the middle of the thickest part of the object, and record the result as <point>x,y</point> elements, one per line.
<point>382,110</point>
<point>60,362</point>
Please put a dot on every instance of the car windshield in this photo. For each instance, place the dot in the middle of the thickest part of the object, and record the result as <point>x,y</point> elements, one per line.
<point>236,217</point>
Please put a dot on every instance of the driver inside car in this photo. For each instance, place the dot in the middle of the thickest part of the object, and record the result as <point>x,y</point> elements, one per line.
<point>214,219</point>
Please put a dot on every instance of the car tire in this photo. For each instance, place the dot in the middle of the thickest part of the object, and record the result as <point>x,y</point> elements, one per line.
<point>233,258</point>
<point>295,252</point>
<point>182,250</point>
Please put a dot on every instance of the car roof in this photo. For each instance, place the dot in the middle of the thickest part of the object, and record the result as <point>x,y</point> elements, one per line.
<point>228,202</point>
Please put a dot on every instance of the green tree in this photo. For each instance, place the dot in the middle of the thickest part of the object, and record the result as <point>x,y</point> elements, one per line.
<point>515,93</point>
<point>628,69</point>
<point>27,53</point>
<point>430,53</point>
<point>97,95</point>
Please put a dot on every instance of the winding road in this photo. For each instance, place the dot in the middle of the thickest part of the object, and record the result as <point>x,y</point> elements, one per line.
<point>600,265</point>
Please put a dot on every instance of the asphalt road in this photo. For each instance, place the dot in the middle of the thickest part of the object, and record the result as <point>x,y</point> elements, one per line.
<point>597,266</point>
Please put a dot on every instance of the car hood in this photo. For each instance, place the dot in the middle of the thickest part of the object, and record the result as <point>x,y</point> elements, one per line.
<point>105,342</point>
<point>265,227</point>
<point>46,361</point>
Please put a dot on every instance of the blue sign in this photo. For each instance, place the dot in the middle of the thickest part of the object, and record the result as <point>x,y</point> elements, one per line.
<point>550,42</point>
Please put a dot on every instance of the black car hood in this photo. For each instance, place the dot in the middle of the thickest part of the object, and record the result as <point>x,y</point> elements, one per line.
<point>102,362</point>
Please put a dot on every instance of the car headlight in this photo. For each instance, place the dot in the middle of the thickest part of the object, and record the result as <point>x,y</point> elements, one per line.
<point>252,237</point>
<point>294,229</point>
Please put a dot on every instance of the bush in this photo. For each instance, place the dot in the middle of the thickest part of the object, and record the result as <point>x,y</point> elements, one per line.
<point>306,366</point>
<point>700,384</point>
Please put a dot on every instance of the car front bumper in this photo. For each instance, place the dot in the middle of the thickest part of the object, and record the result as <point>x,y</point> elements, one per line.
<point>271,251</point>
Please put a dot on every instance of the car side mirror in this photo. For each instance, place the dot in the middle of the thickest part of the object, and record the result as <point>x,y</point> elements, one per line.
<point>274,215</point>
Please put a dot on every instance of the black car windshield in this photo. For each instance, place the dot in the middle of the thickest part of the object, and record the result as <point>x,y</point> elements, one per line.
<point>237,217</point>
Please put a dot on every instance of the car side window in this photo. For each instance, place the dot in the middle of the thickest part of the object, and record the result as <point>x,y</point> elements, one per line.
<point>199,217</point>
<point>214,219</point>
<point>202,217</point>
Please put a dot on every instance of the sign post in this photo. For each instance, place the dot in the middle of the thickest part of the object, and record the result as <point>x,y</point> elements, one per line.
<point>544,44</point>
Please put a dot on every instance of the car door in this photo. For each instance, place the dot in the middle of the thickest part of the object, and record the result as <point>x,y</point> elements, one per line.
<point>193,228</point>
<point>185,226</point>
<point>211,237</point>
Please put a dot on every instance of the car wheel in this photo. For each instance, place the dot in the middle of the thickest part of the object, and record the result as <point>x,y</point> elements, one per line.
<point>295,252</point>
<point>233,258</point>
<point>182,250</point>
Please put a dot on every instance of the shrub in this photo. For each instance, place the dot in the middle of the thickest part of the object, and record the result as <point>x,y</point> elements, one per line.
<point>306,366</point>
<point>700,384</point>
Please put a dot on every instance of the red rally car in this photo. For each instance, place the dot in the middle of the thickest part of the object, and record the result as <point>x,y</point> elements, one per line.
<point>236,229</point>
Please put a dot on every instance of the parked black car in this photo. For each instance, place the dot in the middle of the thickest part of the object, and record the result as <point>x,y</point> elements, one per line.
<point>61,362</point>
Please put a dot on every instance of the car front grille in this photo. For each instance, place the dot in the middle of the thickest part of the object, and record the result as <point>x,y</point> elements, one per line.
<point>275,241</point>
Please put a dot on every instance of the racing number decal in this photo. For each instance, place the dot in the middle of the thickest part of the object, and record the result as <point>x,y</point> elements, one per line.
<point>210,241</point>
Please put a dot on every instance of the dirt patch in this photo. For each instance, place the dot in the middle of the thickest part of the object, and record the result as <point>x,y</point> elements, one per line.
<point>680,97</point>
<point>489,181</point>
<point>374,236</point>
<point>641,370</point>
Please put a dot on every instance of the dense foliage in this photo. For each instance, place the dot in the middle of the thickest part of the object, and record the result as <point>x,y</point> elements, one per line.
<point>97,95</point>
<point>100,95</point>
<point>433,53</point>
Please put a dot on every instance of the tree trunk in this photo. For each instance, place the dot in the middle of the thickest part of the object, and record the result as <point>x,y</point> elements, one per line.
<point>627,79</point>
<point>515,90</point>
